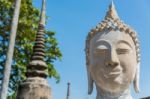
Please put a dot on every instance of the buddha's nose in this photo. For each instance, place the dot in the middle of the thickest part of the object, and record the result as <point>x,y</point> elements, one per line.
<point>112,59</point>
<point>112,63</point>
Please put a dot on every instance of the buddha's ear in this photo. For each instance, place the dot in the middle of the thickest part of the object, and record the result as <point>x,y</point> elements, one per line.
<point>90,82</point>
<point>136,79</point>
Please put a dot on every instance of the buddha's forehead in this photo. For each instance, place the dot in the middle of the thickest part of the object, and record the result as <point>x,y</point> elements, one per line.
<point>112,37</point>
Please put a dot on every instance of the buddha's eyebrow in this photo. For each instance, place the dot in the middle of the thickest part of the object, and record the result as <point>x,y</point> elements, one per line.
<point>124,42</point>
<point>103,42</point>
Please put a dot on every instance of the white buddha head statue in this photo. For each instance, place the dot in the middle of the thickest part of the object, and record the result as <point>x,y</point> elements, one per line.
<point>112,55</point>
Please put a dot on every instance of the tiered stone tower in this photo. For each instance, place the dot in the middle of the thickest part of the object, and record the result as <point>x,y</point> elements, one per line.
<point>36,85</point>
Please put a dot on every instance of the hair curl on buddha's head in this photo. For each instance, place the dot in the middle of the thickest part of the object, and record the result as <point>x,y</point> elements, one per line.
<point>113,23</point>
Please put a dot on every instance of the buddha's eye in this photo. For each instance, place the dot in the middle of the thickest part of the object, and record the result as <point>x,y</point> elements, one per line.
<point>123,51</point>
<point>123,47</point>
<point>101,50</point>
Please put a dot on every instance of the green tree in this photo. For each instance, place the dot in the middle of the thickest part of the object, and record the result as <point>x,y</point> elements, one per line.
<point>7,68</point>
<point>27,28</point>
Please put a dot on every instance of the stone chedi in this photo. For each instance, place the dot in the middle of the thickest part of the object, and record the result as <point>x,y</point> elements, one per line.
<point>113,58</point>
<point>36,85</point>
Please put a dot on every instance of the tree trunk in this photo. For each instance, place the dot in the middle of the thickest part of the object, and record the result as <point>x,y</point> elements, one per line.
<point>9,56</point>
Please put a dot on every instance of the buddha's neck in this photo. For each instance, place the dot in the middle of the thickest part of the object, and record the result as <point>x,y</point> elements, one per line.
<point>123,95</point>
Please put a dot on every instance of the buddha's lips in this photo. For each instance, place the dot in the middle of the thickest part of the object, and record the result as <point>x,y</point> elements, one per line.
<point>116,71</point>
<point>113,74</point>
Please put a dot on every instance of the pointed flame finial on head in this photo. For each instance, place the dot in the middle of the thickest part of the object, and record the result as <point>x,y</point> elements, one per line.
<point>112,13</point>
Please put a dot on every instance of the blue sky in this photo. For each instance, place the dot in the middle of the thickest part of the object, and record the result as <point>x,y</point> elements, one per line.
<point>72,20</point>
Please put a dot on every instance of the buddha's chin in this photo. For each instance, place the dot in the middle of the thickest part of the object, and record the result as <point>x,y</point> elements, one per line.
<point>113,87</point>
<point>113,91</point>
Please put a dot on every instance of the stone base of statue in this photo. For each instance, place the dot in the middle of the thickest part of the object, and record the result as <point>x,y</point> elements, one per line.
<point>34,88</point>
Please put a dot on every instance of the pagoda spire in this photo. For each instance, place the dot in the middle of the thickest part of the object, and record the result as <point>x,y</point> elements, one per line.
<point>112,13</point>
<point>68,91</point>
<point>43,11</point>
<point>37,67</point>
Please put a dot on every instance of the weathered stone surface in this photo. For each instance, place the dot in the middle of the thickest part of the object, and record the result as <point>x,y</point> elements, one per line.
<point>34,88</point>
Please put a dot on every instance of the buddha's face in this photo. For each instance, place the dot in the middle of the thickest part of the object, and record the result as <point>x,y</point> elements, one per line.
<point>112,61</point>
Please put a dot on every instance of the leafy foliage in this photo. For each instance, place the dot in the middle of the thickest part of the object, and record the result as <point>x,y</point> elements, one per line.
<point>27,28</point>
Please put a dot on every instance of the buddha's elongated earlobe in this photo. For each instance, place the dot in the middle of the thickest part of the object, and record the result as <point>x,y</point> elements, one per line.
<point>90,82</point>
<point>136,79</point>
